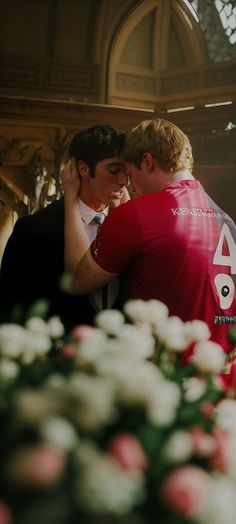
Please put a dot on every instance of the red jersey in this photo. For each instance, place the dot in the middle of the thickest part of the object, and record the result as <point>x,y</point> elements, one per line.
<point>176,246</point>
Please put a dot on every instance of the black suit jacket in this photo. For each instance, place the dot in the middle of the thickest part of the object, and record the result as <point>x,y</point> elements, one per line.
<point>32,264</point>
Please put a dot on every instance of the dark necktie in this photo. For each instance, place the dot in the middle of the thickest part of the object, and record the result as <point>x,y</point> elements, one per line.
<point>99,219</point>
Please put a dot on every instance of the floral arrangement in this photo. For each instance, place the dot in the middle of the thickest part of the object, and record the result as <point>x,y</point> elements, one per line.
<point>130,421</point>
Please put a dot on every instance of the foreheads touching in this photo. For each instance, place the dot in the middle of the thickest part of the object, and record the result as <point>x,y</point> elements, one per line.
<point>167,144</point>
<point>97,143</point>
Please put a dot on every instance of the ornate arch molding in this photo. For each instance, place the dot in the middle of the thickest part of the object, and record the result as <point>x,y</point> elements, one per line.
<point>156,55</point>
<point>110,18</point>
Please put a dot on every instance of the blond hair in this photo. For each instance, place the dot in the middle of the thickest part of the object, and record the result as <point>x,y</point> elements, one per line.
<point>164,140</point>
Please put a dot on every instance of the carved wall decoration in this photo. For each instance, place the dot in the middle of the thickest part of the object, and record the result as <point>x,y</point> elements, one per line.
<point>126,82</point>
<point>12,150</point>
<point>9,193</point>
<point>43,183</point>
<point>220,76</point>
<point>60,156</point>
<point>16,74</point>
<point>40,180</point>
<point>82,79</point>
<point>183,82</point>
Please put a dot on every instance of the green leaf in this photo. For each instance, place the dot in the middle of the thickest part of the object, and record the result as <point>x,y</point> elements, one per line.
<point>38,309</point>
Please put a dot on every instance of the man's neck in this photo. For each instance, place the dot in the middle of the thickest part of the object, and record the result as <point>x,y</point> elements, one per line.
<point>181,175</point>
<point>96,207</point>
<point>159,180</point>
<point>170,178</point>
<point>92,201</point>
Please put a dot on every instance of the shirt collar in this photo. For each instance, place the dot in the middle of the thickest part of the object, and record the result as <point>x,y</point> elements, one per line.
<point>87,213</point>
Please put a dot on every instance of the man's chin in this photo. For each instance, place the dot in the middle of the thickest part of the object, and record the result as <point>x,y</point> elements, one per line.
<point>116,197</point>
<point>117,194</point>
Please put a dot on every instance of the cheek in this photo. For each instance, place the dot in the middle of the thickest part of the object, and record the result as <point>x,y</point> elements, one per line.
<point>110,183</point>
<point>135,181</point>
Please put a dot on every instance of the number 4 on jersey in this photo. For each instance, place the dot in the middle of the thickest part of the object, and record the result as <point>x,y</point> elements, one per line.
<point>224,283</point>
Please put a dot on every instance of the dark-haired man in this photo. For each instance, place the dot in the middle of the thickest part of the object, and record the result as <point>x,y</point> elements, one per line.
<point>33,260</point>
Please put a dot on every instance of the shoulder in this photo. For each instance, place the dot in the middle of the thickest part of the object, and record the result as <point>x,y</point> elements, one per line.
<point>123,209</point>
<point>121,219</point>
<point>43,220</point>
<point>54,209</point>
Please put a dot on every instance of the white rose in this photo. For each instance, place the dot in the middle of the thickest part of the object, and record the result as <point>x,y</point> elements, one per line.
<point>55,327</point>
<point>179,447</point>
<point>111,321</point>
<point>194,388</point>
<point>145,312</point>
<point>92,401</point>
<point>163,403</point>
<point>35,346</point>
<point>220,505</point>
<point>55,381</point>
<point>102,486</point>
<point>31,406</point>
<point>8,369</point>
<point>197,330</point>
<point>157,311</point>
<point>171,332</point>
<point>37,325</point>
<point>59,432</point>
<point>136,341</point>
<point>136,310</point>
<point>231,470</point>
<point>128,374</point>
<point>208,357</point>
<point>226,414</point>
<point>12,340</point>
<point>91,347</point>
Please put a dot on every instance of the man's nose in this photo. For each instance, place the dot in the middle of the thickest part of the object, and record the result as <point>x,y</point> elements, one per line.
<point>124,179</point>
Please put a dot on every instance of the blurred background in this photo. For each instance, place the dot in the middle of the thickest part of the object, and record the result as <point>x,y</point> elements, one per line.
<point>69,64</point>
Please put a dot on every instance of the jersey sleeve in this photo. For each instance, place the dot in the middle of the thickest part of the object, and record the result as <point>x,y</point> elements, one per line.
<point>117,244</point>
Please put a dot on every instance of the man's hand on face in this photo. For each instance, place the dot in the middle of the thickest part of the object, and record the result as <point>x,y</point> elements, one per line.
<point>70,180</point>
<point>125,197</point>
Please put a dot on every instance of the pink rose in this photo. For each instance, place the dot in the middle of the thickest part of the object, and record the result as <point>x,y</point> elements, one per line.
<point>81,332</point>
<point>5,514</point>
<point>69,351</point>
<point>36,466</point>
<point>207,408</point>
<point>221,458</point>
<point>203,443</point>
<point>126,449</point>
<point>228,381</point>
<point>185,490</point>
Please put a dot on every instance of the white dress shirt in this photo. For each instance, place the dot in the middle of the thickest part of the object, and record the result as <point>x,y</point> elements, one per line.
<point>91,228</point>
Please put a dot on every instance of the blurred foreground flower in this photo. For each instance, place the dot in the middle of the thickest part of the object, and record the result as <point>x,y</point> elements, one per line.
<point>109,421</point>
<point>35,466</point>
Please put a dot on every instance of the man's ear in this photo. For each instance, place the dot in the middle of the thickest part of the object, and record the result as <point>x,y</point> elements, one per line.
<point>148,162</point>
<point>82,168</point>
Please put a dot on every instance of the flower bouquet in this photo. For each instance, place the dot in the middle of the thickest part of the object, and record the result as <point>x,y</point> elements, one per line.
<point>130,421</point>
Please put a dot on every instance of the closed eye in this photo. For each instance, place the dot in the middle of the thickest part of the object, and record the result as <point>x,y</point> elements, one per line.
<point>114,171</point>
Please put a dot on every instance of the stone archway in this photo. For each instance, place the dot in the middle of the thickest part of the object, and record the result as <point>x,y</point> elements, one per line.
<point>156,43</point>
